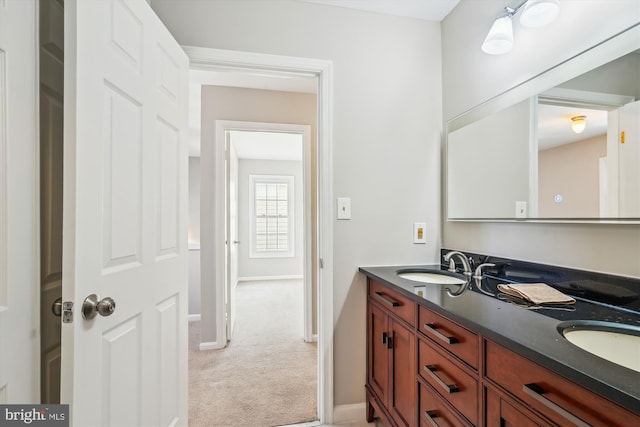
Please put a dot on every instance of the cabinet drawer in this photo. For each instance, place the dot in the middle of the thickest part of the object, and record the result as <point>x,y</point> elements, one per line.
<point>503,412</point>
<point>456,386</point>
<point>393,301</point>
<point>435,412</point>
<point>451,336</point>
<point>561,400</point>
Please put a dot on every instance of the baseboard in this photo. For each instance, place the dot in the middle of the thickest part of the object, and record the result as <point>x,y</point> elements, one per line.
<point>348,414</point>
<point>261,278</point>
<point>212,345</point>
<point>194,318</point>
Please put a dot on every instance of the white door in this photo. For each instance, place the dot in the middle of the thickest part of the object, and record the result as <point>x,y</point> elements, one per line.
<point>125,216</point>
<point>232,221</point>
<point>19,281</point>
<point>629,158</point>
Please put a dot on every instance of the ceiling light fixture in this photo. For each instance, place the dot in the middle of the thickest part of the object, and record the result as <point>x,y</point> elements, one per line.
<point>536,13</point>
<point>578,123</point>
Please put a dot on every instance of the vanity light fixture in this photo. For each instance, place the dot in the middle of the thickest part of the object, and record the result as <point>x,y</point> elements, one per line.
<point>535,14</point>
<point>500,37</point>
<point>578,123</point>
<point>538,13</point>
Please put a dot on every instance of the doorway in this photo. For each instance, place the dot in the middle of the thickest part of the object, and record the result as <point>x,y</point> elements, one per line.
<point>285,67</point>
<point>262,161</point>
<point>270,236</point>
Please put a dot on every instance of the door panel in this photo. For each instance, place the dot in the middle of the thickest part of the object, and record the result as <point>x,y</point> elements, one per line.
<point>168,202</point>
<point>19,269</point>
<point>167,315</point>
<point>125,223</point>
<point>378,351</point>
<point>121,381</point>
<point>403,366</point>
<point>122,181</point>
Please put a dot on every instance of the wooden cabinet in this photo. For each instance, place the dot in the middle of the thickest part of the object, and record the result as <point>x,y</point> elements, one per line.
<point>423,369</point>
<point>558,399</point>
<point>435,411</point>
<point>504,412</point>
<point>391,377</point>
<point>457,340</point>
<point>452,382</point>
<point>448,361</point>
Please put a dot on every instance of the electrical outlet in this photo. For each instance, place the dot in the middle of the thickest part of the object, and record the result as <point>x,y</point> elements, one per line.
<point>419,233</point>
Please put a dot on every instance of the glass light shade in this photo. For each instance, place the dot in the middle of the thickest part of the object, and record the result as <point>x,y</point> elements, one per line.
<point>538,13</point>
<point>578,123</point>
<point>500,37</point>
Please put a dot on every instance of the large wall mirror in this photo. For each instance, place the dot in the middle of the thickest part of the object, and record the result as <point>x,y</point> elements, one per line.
<point>563,146</point>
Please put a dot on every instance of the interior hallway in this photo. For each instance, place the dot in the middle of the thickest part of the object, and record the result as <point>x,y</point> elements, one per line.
<point>267,375</point>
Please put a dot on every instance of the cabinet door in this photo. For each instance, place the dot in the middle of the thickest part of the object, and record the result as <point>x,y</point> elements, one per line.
<point>378,353</point>
<point>500,412</point>
<point>402,399</point>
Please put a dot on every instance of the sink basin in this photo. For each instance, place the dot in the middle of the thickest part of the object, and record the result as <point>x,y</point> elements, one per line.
<point>614,342</point>
<point>433,277</point>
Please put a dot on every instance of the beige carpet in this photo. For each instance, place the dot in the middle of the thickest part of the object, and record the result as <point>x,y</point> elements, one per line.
<point>267,376</point>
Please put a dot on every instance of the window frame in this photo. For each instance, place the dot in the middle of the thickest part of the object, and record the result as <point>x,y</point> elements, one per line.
<point>272,179</point>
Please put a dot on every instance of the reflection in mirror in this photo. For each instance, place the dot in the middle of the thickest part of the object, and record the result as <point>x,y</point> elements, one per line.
<point>524,161</point>
<point>588,172</point>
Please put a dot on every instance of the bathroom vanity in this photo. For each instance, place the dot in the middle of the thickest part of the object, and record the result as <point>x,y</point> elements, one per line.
<point>434,359</point>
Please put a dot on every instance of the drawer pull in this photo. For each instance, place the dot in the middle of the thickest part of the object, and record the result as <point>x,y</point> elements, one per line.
<point>449,388</point>
<point>537,392</point>
<point>386,300</point>
<point>430,417</point>
<point>387,340</point>
<point>431,327</point>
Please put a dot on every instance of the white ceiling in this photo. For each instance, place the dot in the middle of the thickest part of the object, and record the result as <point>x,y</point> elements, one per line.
<point>554,125</point>
<point>267,145</point>
<point>429,10</point>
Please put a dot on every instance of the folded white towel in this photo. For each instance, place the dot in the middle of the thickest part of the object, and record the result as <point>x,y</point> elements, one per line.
<point>537,293</point>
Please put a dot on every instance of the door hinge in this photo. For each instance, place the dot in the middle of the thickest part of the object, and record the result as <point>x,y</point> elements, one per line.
<point>67,312</point>
<point>321,263</point>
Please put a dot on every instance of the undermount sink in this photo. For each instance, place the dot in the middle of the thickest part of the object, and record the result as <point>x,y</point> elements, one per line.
<point>433,277</point>
<point>614,342</point>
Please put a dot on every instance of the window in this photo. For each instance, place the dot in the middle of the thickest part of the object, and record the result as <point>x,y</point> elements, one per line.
<point>271,216</point>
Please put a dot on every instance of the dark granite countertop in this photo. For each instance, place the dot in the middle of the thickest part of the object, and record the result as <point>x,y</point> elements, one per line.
<point>531,333</point>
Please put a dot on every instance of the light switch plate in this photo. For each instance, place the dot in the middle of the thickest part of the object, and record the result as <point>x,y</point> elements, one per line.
<point>419,233</point>
<point>521,209</point>
<point>344,208</point>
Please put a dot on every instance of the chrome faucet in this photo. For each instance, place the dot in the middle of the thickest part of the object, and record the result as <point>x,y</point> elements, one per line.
<point>478,278</point>
<point>478,273</point>
<point>466,265</point>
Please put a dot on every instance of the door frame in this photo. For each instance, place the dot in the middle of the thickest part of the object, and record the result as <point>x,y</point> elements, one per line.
<point>221,127</point>
<point>209,58</point>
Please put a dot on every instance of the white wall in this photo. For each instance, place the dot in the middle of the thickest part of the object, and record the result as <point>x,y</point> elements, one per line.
<point>572,171</point>
<point>472,77</point>
<point>268,267</point>
<point>386,134</point>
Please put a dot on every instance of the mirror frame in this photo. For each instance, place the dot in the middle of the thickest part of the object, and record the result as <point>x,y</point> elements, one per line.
<point>620,44</point>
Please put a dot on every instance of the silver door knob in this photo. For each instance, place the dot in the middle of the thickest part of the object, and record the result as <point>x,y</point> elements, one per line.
<point>93,306</point>
<point>56,308</point>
